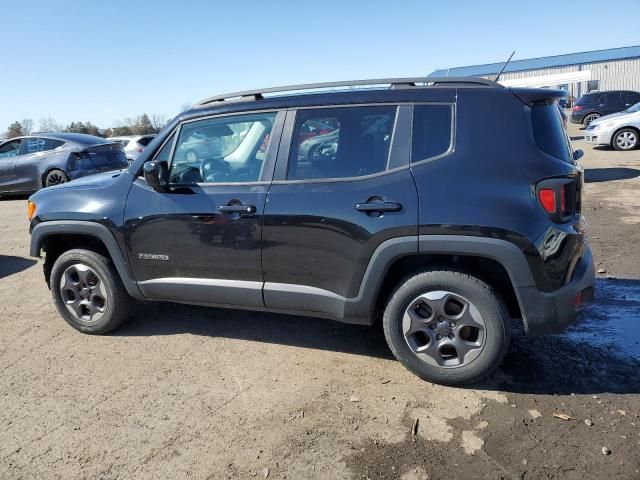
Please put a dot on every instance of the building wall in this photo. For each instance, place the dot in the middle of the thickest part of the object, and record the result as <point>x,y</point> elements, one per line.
<point>615,75</point>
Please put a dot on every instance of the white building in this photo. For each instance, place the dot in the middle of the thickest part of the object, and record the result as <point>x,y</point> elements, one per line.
<point>578,73</point>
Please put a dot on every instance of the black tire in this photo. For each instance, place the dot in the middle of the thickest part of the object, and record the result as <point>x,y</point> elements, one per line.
<point>625,139</point>
<point>55,177</point>
<point>495,339</point>
<point>590,117</point>
<point>117,303</point>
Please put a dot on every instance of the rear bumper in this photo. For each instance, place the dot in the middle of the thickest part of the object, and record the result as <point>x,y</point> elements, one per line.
<point>576,117</point>
<point>546,313</point>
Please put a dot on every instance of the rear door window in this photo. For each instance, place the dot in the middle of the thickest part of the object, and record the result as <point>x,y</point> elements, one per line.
<point>341,142</point>
<point>549,133</point>
<point>432,134</point>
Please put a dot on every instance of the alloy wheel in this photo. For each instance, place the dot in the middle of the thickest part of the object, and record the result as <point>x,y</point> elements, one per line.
<point>83,293</point>
<point>590,118</point>
<point>444,329</point>
<point>626,140</point>
<point>55,178</point>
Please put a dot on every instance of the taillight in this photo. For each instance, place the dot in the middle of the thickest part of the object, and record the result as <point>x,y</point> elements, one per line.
<point>547,199</point>
<point>559,198</point>
<point>577,108</point>
<point>139,150</point>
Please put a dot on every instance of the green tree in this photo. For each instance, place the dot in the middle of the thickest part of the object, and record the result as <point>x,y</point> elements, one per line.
<point>15,130</point>
<point>143,125</point>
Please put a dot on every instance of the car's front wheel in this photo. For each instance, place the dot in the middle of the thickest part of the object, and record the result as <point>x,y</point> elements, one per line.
<point>88,292</point>
<point>447,327</point>
<point>625,139</point>
<point>590,118</point>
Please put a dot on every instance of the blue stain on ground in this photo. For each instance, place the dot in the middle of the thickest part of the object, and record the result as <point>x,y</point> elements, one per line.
<point>612,322</point>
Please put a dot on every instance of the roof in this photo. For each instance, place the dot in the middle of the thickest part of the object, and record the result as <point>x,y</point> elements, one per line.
<point>594,56</point>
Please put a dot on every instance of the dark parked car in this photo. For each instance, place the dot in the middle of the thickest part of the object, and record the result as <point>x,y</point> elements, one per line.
<point>32,162</point>
<point>594,105</point>
<point>409,214</point>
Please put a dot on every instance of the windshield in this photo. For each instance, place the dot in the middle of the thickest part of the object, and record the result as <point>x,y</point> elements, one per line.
<point>633,109</point>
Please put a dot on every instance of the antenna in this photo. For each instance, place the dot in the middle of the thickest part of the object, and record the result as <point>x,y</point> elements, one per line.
<point>504,66</point>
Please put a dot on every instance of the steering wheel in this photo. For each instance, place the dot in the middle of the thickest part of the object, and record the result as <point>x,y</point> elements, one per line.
<point>213,168</point>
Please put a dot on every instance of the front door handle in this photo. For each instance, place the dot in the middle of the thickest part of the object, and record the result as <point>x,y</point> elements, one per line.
<point>378,207</point>
<point>241,209</point>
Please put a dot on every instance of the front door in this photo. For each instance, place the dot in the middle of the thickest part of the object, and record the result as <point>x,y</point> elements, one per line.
<point>342,187</point>
<point>8,154</point>
<point>200,240</point>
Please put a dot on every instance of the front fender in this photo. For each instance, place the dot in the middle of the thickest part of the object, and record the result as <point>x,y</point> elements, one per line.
<point>96,230</point>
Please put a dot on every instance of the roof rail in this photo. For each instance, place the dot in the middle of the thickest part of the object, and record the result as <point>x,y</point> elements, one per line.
<point>392,82</point>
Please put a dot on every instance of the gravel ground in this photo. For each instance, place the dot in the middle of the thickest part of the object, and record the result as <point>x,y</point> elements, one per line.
<point>187,392</point>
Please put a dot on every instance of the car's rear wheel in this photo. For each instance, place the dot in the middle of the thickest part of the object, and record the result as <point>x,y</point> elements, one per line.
<point>55,177</point>
<point>590,118</point>
<point>88,292</point>
<point>625,139</point>
<point>447,327</point>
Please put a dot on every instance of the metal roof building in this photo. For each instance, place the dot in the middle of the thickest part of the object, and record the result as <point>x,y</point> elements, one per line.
<point>578,73</point>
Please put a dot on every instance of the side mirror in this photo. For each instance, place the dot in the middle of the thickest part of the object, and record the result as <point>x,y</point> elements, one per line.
<point>577,155</point>
<point>155,174</point>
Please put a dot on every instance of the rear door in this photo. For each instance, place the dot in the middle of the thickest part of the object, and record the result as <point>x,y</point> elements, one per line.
<point>8,153</point>
<point>342,187</point>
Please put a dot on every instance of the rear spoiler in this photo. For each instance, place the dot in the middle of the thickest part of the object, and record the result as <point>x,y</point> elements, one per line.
<point>100,147</point>
<point>531,96</point>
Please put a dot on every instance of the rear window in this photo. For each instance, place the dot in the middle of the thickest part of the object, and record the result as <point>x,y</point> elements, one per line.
<point>108,159</point>
<point>589,99</point>
<point>549,133</point>
<point>144,141</point>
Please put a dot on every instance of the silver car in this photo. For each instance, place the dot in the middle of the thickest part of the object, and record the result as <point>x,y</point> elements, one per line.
<point>133,145</point>
<point>619,130</point>
<point>33,162</point>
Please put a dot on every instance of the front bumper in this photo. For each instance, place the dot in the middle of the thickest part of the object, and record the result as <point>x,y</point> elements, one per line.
<point>546,313</point>
<point>598,136</point>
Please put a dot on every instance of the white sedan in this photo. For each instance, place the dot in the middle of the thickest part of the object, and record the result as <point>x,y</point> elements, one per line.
<point>619,130</point>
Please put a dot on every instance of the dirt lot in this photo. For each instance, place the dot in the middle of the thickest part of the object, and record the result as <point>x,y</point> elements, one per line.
<point>186,392</point>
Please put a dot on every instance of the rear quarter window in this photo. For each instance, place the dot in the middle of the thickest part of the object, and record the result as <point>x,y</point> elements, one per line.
<point>549,133</point>
<point>432,133</point>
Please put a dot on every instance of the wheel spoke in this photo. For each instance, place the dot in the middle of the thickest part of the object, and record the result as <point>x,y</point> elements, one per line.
<point>83,292</point>
<point>450,335</point>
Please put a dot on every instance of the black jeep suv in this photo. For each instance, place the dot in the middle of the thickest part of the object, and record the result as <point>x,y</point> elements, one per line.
<point>447,207</point>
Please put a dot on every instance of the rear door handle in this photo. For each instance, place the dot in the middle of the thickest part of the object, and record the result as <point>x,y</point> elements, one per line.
<point>241,209</point>
<point>379,207</point>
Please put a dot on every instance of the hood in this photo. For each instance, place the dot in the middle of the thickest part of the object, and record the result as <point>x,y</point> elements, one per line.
<point>99,180</point>
<point>611,116</point>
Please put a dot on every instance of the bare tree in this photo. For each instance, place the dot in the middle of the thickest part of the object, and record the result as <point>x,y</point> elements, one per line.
<point>186,106</point>
<point>158,121</point>
<point>49,124</point>
<point>27,126</point>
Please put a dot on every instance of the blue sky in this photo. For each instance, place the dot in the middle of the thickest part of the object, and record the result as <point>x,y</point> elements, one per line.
<point>105,61</point>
